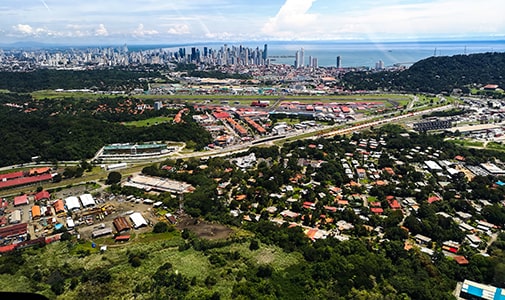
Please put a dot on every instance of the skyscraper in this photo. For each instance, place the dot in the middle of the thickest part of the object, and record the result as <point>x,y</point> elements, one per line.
<point>265,52</point>
<point>339,62</point>
<point>299,59</point>
<point>379,65</point>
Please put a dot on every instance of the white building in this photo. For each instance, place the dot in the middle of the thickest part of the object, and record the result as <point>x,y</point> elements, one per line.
<point>72,203</point>
<point>138,220</point>
<point>87,200</point>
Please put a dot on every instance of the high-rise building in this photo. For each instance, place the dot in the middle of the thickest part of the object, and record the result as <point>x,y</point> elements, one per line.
<point>265,52</point>
<point>299,59</point>
<point>379,65</point>
<point>339,62</point>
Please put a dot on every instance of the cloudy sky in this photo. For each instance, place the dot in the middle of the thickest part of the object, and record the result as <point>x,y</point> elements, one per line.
<point>173,21</point>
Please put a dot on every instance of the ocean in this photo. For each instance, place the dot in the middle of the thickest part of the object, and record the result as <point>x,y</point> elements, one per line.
<point>355,54</point>
<point>368,54</point>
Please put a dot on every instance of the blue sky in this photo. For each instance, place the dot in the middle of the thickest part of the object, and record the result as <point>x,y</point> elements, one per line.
<point>177,21</point>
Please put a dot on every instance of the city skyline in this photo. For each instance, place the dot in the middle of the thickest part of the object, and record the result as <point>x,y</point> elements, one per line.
<point>155,22</point>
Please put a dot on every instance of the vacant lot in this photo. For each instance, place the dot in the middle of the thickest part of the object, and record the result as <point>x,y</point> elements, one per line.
<point>204,229</point>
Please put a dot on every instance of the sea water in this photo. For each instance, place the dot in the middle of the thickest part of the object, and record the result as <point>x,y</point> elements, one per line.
<point>368,54</point>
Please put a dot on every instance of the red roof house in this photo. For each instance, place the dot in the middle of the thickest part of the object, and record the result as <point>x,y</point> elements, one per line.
<point>21,200</point>
<point>433,199</point>
<point>394,204</point>
<point>377,210</point>
<point>42,195</point>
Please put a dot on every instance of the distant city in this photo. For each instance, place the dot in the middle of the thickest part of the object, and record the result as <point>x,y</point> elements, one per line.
<point>105,57</point>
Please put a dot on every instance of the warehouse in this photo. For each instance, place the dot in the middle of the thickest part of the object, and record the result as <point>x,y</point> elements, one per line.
<point>138,220</point>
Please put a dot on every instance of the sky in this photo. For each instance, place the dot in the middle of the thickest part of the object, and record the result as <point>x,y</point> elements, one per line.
<point>187,21</point>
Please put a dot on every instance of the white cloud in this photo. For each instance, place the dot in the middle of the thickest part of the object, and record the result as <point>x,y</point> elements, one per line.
<point>101,31</point>
<point>140,31</point>
<point>24,29</point>
<point>416,19</point>
<point>179,29</point>
<point>292,16</point>
<point>205,20</point>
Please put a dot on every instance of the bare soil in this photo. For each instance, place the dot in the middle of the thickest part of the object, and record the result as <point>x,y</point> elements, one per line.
<point>204,229</point>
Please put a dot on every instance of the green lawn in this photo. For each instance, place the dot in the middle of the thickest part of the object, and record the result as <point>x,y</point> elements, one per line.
<point>467,143</point>
<point>149,122</point>
<point>495,146</point>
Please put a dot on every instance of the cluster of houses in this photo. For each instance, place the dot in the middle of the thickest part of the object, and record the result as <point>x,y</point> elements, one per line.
<point>362,170</point>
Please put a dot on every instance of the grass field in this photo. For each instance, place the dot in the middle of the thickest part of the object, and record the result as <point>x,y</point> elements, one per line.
<point>467,143</point>
<point>495,146</point>
<point>400,98</point>
<point>158,249</point>
<point>149,122</point>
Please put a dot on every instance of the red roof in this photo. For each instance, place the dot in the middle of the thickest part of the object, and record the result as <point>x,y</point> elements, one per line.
<point>311,233</point>
<point>461,260</point>
<point>389,170</point>
<point>308,204</point>
<point>59,206</point>
<point>8,248</point>
<point>330,208</point>
<point>221,115</point>
<point>25,180</point>
<point>376,210</point>
<point>122,238</point>
<point>433,199</point>
<point>53,238</point>
<point>491,86</point>
<point>42,195</point>
<point>459,157</point>
<point>21,200</point>
<point>13,230</point>
<point>9,176</point>
<point>394,204</point>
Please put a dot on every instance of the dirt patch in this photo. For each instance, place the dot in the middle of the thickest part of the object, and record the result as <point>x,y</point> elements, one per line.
<point>204,229</point>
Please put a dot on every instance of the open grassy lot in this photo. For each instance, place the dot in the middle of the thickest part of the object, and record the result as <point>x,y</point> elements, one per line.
<point>226,265</point>
<point>467,143</point>
<point>495,146</point>
<point>242,99</point>
<point>149,122</point>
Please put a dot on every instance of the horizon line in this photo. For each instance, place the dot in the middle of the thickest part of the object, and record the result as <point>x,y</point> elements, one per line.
<point>21,44</point>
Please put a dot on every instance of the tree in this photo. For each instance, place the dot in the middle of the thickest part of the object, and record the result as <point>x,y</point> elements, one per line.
<point>113,177</point>
<point>254,245</point>
<point>160,227</point>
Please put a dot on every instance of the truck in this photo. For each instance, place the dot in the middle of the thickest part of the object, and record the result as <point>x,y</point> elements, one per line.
<point>260,103</point>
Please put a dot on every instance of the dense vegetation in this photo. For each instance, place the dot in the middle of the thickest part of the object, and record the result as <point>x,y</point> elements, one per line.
<point>103,79</point>
<point>435,74</point>
<point>71,130</point>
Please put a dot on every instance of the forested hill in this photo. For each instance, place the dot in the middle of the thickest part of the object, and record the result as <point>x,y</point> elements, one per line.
<point>44,79</point>
<point>436,74</point>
